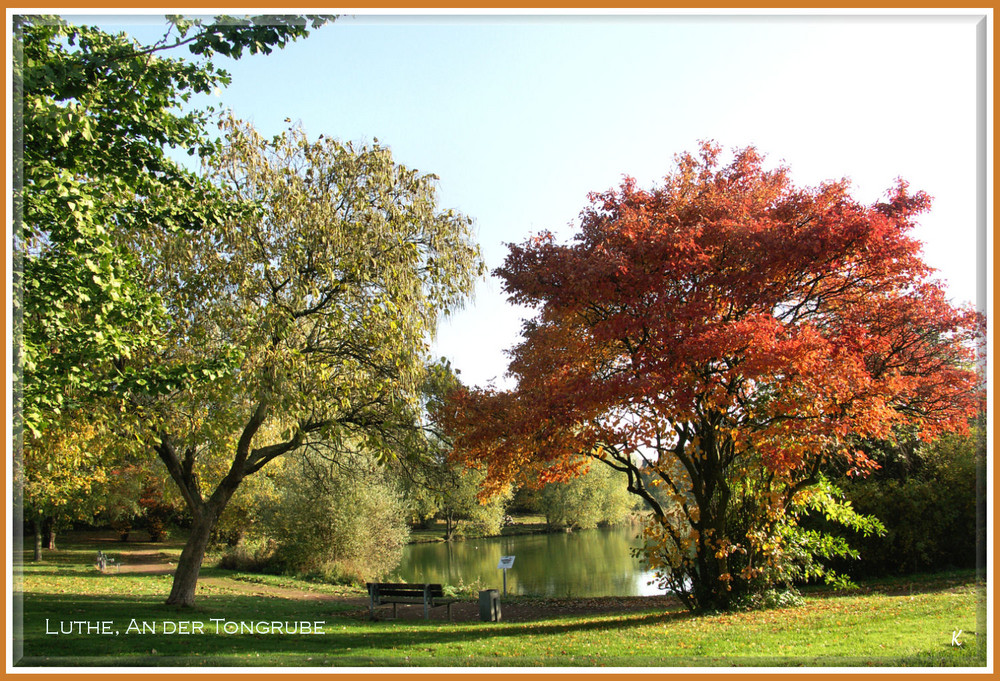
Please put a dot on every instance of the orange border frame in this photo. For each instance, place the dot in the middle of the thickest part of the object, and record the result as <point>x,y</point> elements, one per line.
<point>505,6</point>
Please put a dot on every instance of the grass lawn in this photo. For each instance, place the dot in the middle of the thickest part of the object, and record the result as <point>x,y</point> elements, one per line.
<point>118,619</point>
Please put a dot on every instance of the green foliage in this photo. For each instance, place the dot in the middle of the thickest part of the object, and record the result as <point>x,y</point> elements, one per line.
<point>438,486</point>
<point>343,519</point>
<point>598,497</point>
<point>806,554</point>
<point>449,491</point>
<point>229,35</point>
<point>97,117</point>
<point>925,495</point>
<point>461,501</point>
<point>100,113</point>
<point>326,298</point>
<point>322,301</point>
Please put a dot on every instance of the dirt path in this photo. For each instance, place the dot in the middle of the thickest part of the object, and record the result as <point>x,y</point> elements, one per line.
<point>148,562</point>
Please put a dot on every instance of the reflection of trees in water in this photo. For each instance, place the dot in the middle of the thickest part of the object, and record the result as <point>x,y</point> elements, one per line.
<point>585,563</point>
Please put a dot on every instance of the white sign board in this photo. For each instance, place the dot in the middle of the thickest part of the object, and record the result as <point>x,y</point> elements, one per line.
<point>505,562</point>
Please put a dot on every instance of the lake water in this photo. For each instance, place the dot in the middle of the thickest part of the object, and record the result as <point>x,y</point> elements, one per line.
<point>579,564</point>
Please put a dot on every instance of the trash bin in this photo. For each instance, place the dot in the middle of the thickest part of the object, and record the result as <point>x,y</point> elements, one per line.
<point>489,605</point>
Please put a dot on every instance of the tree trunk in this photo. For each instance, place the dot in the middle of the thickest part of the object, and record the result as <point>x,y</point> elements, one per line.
<point>206,515</point>
<point>189,565</point>
<point>37,524</point>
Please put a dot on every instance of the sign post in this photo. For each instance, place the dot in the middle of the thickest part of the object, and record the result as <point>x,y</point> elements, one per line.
<point>505,562</point>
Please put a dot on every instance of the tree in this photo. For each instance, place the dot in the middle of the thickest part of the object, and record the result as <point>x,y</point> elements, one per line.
<point>597,497</point>
<point>719,337</point>
<point>62,476</point>
<point>323,302</point>
<point>99,114</point>
<point>437,484</point>
<point>450,491</point>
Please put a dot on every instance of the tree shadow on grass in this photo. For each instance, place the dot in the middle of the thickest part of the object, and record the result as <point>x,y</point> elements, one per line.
<point>342,634</point>
<point>345,642</point>
<point>898,586</point>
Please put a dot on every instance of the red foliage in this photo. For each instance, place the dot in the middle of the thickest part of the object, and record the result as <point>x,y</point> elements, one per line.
<point>726,304</point>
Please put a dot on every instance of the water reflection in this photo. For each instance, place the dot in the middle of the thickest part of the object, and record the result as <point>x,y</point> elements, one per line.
<point>580,564</point>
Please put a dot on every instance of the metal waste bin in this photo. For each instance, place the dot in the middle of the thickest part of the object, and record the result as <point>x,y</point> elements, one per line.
<point>489,605</point>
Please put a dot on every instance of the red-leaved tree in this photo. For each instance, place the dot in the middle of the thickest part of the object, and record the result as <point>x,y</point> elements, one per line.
<point>716,339</point>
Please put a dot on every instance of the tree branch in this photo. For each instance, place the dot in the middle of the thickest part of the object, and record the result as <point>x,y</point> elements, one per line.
<point>183,475</point>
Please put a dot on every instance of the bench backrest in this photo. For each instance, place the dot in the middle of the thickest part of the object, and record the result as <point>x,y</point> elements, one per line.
<point>405,590</point>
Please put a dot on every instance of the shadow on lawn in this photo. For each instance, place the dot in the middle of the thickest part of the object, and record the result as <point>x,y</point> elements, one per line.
<point>346,641</point>
<point>342,633</point>
<point>897,586</point>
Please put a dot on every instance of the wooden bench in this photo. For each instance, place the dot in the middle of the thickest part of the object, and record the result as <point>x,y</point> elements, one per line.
<point>430,595</point>
<point>103,562</point>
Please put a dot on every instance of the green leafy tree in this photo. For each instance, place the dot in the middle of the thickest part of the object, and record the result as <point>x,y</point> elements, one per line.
<point>96,118</point>
<point>62,478</point>
<point>99,115</point>
<point>437,485</point>
<point>456,489</point>
<point>598,497</point>
<point>925,495</point>
<point>323,301</point>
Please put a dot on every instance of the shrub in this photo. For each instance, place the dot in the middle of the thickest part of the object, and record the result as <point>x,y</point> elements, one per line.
<point>925,495</point>
<point>340,520</point>
<point>257,556</point>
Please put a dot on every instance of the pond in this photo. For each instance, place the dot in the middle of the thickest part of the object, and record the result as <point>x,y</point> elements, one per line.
<point>585,563</point>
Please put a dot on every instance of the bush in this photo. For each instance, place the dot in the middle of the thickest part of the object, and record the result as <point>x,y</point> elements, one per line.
<point>925,495</point>
<point>769,599</point>
<point>340,521</point>
<point>255,556</point>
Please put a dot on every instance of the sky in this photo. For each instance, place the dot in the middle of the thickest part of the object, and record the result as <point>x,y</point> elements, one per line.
<point>521,116</point>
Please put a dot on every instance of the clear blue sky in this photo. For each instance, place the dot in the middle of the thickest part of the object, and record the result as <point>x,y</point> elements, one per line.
<point>522,116</point>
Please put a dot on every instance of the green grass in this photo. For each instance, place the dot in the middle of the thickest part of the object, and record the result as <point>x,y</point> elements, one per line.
<point>908,623</point>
